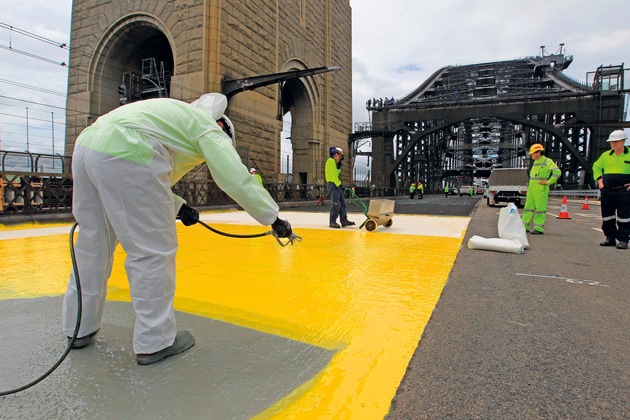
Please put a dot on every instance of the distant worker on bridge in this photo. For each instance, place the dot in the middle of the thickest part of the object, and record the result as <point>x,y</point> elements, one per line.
<point>612,173</point>
<point>420,190</point>
<point>252,172</point>
<point>335,188</point>
<point>544,173</point>
<point>412,190</point>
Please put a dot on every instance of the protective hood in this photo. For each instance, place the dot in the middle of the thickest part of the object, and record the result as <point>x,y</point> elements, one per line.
<point>214,104</point>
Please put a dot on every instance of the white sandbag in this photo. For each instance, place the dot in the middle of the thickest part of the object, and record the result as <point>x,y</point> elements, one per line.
<point>496,244</point>
<point>510,225</point>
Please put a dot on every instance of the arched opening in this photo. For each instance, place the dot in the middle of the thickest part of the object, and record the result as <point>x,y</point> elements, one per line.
<point>286,149</point>
<point>135,63</point>
<point>298,99</point>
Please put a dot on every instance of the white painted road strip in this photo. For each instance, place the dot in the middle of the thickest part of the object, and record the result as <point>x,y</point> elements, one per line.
<point>442,226</point>
<point>30,233</point>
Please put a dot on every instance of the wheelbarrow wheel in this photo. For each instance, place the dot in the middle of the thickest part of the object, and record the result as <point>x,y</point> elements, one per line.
<point>389,223</point>
<point>370,225</point>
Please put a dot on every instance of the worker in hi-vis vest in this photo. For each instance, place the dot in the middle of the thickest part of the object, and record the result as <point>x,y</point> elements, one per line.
<point>335,188</point>
<point>612,173</point>
<point>544,173</point>
<point>252,172</point>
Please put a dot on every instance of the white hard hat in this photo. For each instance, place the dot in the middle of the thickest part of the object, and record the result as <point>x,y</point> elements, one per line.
<point>334,150</point>
<point>617,135</point>
<point>214,104</point>
<point>252,170</point>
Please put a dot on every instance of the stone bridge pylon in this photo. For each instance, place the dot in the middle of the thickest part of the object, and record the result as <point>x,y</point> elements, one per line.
<point>130,50</point>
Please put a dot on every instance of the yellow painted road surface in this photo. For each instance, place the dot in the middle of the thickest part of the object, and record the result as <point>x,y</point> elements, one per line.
<point>365,295</point>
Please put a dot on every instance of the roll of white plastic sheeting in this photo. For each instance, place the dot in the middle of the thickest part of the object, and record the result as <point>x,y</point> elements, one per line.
<point>513,246</point>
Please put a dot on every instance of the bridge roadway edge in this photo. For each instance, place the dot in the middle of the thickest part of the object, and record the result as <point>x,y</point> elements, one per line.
<point>504,345</point>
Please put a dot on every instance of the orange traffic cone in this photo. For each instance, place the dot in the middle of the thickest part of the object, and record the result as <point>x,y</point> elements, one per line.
<point>585,205</point>
<point>564,210</point>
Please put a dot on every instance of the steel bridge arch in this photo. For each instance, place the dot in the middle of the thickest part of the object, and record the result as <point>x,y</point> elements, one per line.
<point>493,112</point>
<point>416,137</point>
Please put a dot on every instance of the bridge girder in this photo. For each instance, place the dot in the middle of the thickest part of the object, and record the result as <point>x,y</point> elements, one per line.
<point>525,101</point>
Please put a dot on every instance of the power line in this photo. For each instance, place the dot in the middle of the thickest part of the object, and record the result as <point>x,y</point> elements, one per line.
<point>34,36</point>
<point>30,119</point>
<point>52,92</point>
<point>66,47</point>
<point>85,72</point>
<point>57,116</point>
<point>33,102</point>
<point>72,113</point>
<point>15,50</point>
<point>30,135</point>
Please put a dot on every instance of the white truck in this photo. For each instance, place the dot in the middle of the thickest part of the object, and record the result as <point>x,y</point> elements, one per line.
<point>507,185</point>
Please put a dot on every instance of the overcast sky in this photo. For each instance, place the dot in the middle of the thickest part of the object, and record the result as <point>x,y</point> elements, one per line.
<point>396,48</point>
<point>397,45</point>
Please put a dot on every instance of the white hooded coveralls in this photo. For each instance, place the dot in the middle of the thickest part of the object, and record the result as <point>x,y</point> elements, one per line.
<point>123,168</point>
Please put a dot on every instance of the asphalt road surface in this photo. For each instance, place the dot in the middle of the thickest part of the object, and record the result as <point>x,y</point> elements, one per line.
<point>542,334</point>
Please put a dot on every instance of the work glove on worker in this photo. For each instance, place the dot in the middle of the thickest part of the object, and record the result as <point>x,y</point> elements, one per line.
<point>282,228</point>
<point>188,215</point>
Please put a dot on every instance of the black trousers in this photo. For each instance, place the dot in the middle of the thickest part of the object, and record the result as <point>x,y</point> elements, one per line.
<point>616,213</point>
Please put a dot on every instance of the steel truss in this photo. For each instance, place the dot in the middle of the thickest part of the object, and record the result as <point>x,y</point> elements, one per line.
<point>465,120</point>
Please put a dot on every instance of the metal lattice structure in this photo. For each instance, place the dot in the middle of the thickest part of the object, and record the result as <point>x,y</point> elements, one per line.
<point>465,120</point>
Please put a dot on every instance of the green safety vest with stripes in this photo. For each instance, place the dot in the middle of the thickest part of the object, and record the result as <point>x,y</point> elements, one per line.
<point>611,164</point>
<point>543,169</point>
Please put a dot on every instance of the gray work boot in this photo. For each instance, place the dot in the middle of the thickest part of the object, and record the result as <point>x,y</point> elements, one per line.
<point>81,342</point>
<point>334,225</point>
<point>609,242</point>
<point>622,245</point>
<point>183,341</point>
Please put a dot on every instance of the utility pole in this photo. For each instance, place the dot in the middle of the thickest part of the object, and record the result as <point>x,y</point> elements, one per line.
<point>52,124</point>
<point>28,147</point>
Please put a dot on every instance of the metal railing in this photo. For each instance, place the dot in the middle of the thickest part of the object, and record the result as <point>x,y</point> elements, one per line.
<point>575,193</point>
<point>34,162</point>
<point>28,193</point>
<point>37,183</point>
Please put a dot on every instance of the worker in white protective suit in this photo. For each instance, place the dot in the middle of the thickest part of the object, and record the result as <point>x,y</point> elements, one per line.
<point>123,168</point>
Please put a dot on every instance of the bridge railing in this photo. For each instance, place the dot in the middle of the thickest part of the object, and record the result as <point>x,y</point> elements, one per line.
<point>362,127</point>
<point>577,191</point>
<point>30,193</point>
<point>34,162</point>
<point>35,192</point>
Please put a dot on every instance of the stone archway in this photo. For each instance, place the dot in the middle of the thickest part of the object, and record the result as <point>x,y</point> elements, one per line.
<point>120,55</point>
<point>300,98</point>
